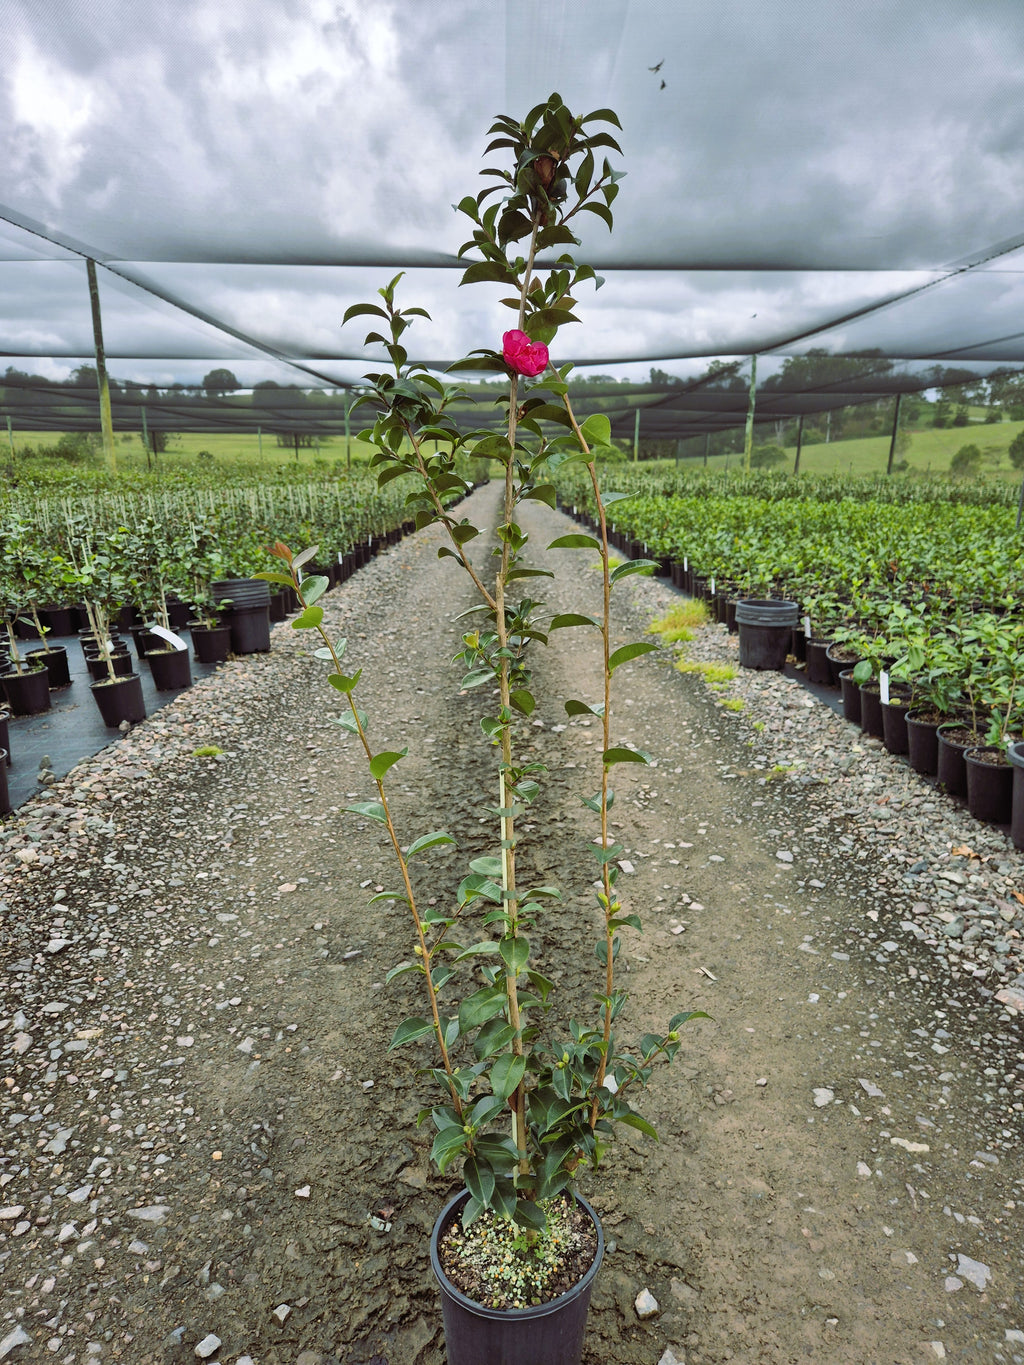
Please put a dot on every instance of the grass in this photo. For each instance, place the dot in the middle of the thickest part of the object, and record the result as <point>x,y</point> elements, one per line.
<point>680,621</point>
<point>711,673</point>
<point>227,448</point>
<point>930,452</point>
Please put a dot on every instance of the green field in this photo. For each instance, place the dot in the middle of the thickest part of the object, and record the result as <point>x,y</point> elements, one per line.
<point>930,452</point>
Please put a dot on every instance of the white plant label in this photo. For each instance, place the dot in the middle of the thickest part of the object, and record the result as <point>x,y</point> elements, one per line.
<point>686,564</point>
<point>883,683</point>
<point>711,585</point>
<point>807,627</point>
<point>169,636</point>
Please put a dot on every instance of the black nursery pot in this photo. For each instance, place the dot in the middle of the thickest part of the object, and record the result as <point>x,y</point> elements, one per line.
<point>871,722</point>
<point>5,738</point>
<point>851,696</point>
<point>27,693</point>
<point>989,785</point>
<point>170,669</point>
<point>894,722</point>
<point>818,671</point>
<point>55,661</point>
<point>548,1334</point>
<point>922,744</point>
<point>120,700</point>
<point>951,767</point>
<point>5,794</point>
<point>212,644</point>
<point>766,632</point>
<point>250,629</point>
<point>1015,754</point>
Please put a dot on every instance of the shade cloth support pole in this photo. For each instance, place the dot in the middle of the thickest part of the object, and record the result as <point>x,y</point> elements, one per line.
<point>895,433</point>
<point>799,442</point>
<point>145,438</point>
<point>259,441</point>
<point>348,434</point>
<point>106,420</point>
<point>707,447</point>
<point>10,438</point>
<point>636,437</point>
<point>748,438</point>
<point>1020,505</point>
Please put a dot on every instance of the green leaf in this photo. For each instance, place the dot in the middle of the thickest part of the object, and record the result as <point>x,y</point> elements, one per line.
<point>575,541</point>
<point>632,1120</point>
<point>623,755</point>
<point>523,701</point>
<point>580,708</point>
<point>358,310</point>
<point>409,1030</point>
<point>543,492</point>
<point>476,676</point>
<point>341,683</point>
<point>529,1215</point>
<point>447,1145</point>
<point>380,763</point>
<point>282,578</point>
<point>348,722</point>
<point>308,619</point>
<point>312,588</point>
<point>487,867</point>
<point>632,566</point>
<point>515,953</point>
<point>481,1006</point>
<point>506,1074</point>
<point>597,430</point>
<point>572,618</point>
<point>372,810</point>
<point>426,841</point>
<point>479,1180</point>
<point>633,921</point>
<point>604,116</point>
<point>627,652</point>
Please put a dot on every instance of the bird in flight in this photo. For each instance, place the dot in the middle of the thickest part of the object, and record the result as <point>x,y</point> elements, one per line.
<point>657,68</point>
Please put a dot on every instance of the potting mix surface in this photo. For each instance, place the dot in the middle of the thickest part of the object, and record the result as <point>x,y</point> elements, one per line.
<point>209,1153</point>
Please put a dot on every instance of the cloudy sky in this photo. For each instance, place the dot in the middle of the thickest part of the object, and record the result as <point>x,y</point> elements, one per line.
<point>800,172</point>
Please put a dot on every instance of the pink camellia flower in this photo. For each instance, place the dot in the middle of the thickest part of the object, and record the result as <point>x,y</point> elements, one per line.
<point>523,355</point>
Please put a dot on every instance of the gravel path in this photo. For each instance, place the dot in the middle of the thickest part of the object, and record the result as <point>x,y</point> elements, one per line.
<point>195,1105</point>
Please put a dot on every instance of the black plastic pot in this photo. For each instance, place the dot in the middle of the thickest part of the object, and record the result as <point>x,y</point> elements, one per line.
<point>894,722</point>
<point>27,692</point>
<point>766,632</point>
<point>144,639</point>
<point>5,738</point>
<point>951,769</point>
<point>170,669</point>
<point>1015,753</point>
<point>58,620</point>
<point>838,664</point>
<point>5,794</point>
<point>922,744</point>
<point>55,661</point>
<point>871,722</point>
<point>120,700</point>
<point>851,696</point>
<point>798,645</point>
<point>548,1334</point>
<point>818,671</point>
<point>989,786</point>
<point>212,644</point>
<point>250,629</point>
<point>97,665</point>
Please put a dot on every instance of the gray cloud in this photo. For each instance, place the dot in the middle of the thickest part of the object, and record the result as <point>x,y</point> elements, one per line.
<point>802,161</point>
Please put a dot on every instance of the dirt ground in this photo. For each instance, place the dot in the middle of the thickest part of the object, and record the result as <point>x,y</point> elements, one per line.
<point>772,1224</point>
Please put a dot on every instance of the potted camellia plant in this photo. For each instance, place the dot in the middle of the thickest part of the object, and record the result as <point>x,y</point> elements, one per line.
<point>100,577</point>
<point>520,1109</point>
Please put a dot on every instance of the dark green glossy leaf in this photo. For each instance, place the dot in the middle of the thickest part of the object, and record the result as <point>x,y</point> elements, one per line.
<point>627,652</point>
<point>409,1030</point>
